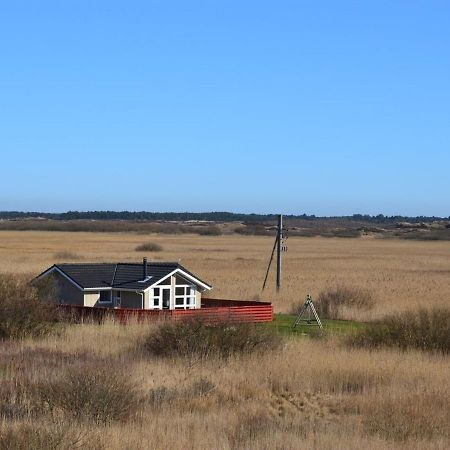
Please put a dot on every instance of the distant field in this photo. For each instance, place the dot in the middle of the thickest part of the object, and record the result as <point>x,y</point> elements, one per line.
<point>344,227</point>
<point>402,274</point>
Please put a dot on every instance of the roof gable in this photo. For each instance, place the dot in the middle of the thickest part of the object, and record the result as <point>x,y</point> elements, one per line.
<point>121,275</point>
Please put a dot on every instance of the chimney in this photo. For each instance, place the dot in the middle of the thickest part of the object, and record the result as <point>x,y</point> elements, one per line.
<point>144,267</point>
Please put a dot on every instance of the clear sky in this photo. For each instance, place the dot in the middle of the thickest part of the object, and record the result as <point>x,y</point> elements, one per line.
<point>318,107</point>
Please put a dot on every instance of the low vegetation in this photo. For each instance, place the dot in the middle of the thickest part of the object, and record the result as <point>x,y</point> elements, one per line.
<point>149,247</point>
<point>25,310</point>
<point>197,339</point>
<point>404,417</point>
<point>24,436</point>
<point>93,390</point>
<point>96,393</point>
<point>424,329</point>
<point>211,230</point>
<point>338,302</point>
<point>427,235</point>
<point>65,255</point>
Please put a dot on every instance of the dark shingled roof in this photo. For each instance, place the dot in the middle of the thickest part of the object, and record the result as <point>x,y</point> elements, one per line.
<point>120,275</point>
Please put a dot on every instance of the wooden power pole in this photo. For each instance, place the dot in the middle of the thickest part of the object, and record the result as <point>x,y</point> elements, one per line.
<point>279,249</point>
<point>279,245</point>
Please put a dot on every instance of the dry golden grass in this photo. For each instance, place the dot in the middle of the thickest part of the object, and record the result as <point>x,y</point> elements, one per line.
<point>312,394</point>
<point>401,274</point>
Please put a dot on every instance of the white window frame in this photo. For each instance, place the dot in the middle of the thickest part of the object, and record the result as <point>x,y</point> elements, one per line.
<point>153,297</point>
<point>189,293</point>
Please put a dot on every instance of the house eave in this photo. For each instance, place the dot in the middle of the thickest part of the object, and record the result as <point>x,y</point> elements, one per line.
<point>62,273</point>
<point>206,287</point>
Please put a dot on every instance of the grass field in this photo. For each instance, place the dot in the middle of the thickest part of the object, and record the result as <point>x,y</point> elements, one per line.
<point>310,394</point>
<point>401,274</point>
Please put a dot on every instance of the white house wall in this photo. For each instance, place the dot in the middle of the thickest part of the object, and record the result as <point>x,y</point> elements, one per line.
<point>91,298</point>
<point>198,299</point>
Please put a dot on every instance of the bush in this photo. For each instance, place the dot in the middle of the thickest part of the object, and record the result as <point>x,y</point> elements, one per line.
<point>197,339</point>
<point>23,309</point>
<point>99,394</point>
<point>212,230</point>
<point>66,255</point>
<point>423,329</point>
<point>256,229</point>
<point>343,233</point>
<point>149,247</point>
<point>331,303</point>
<point>431,235</point>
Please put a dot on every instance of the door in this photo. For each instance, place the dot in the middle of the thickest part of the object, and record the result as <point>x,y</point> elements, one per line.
<point>165,291</point>
<point>160,297</point>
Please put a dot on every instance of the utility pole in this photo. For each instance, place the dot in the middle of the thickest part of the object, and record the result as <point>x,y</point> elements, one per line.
<point>279,249</point>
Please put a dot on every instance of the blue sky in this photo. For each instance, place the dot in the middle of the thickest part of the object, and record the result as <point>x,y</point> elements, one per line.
<point>318,107</point>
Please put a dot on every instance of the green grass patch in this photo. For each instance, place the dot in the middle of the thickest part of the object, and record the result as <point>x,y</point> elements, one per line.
<point>284,324</point>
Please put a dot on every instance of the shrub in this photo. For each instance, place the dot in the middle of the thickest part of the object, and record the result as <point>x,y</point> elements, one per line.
<point>197,339</point>
<point>99,394</point>
<point>331,303</point>
<point>22,311</point>
<point>343,233</point>
<point>256,229</point>
<point>423,329</point>
<point>149,247</point>
<point>426,235</point>
<point>66,255</point>
<point>212,230</point>
<point>47,289</point>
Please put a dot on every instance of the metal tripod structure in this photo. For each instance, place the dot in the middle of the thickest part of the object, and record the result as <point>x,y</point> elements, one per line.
<point>308,306</point>
<point>279,245</point>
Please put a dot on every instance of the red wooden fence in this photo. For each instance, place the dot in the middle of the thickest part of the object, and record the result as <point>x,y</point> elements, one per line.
<point>212,311</point>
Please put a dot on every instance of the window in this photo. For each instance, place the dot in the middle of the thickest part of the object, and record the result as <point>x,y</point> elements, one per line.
<point>184,297</point>
<point>155,298</point>
<point>105,297</point>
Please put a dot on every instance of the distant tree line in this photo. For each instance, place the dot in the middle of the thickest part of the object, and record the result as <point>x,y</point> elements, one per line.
<point>214,216</point>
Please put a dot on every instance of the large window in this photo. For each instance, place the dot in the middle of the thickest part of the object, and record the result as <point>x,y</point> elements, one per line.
<point>155,298</point>
<point>105,297</point>
<point>160,297</point>
<point>184,296</point>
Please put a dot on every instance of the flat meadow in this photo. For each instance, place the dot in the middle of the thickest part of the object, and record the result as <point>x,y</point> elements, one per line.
<point>401,274</point>
<point>306,393</point>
